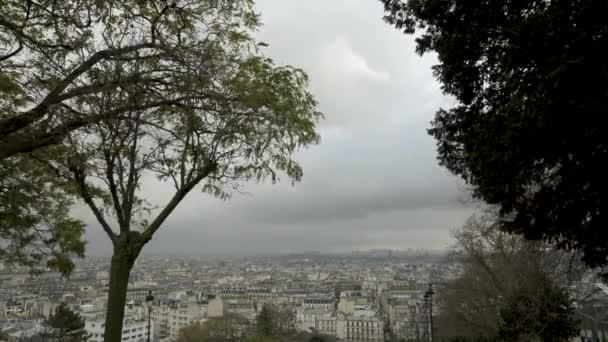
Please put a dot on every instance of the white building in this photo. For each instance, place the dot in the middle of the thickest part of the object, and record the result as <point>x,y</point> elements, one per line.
<point>405,294</point>
<point>217,308</point>
<point>360,328</point>
<point>161,310</point>
<point>13,308</point>
<point>182,315</point>
<point>321,303</point>
<point>133,329</point>
<point>306,318</point>
<point>326,325</point>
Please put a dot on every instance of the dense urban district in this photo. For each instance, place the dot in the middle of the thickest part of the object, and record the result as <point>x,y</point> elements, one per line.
<point>363,296</point>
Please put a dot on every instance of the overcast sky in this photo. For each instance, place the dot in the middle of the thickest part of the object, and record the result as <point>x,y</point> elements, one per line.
<point>373,182</point>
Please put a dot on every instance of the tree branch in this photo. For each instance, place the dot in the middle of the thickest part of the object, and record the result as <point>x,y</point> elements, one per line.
<point>133,176</point>
<point>79,177</point>
<point>11,54</point>
<point>14,144</point>
<point>209,168</point>
<point>12,124</point>
<point>19,34</point>
<point>110,159</point>
<point>155,20</point>
<point>103,86</point>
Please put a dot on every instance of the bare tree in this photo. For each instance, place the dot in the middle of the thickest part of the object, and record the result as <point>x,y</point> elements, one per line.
<point>502,273</point>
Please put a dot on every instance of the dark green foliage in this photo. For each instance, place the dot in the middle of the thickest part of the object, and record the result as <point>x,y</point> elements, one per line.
<point>231,327</point>
<point>67,325</point>
<point>528,132</point>
<point>35,227</point>
<point>265,324</point>
<point>305,336</point>
<point>546,314</point>
<point>213,330</point>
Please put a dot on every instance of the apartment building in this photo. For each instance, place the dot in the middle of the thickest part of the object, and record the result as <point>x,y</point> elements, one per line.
<point>133,330</point>
<point>183,314</point>
<point>360,328</point>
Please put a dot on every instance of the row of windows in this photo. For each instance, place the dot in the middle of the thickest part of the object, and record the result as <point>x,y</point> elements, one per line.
<point>179,323</point>
<point>126,331</point>
<point>318,301</point>
<point>362,338</point>
<point>361,324</point>
<point>126,338</point>
<point>362,331</point>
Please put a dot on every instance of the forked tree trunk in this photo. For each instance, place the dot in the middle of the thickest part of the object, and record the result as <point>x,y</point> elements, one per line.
<point>124,256</point>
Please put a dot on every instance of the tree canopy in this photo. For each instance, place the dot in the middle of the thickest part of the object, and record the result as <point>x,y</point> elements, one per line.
<point>67,325</point>
<point>36,229</point>
<point>51,55</point>
<point>265,323</point>
<point>509,289</point>
<point>102,95</point>
<point>213,330</point>
<point>527,133</point>
<point>228,115</point>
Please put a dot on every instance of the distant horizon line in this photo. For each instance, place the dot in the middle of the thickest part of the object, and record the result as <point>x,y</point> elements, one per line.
<point>284,253</point>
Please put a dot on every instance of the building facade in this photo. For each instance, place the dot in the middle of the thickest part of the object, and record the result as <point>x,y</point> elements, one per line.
<point>133,330</point>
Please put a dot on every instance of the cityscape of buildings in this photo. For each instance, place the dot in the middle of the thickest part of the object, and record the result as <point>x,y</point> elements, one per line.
<point>362,296</point>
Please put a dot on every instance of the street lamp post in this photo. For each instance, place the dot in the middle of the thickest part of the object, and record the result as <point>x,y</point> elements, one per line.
<point>149,299</point>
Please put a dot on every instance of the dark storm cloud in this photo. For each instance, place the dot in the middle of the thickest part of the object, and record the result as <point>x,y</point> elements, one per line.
<point>373,182</point>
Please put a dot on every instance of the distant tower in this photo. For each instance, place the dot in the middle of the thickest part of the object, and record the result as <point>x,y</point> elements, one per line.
<point>390,253</point>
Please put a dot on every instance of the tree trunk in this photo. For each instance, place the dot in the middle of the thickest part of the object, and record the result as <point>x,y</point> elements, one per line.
<point>125,253</point>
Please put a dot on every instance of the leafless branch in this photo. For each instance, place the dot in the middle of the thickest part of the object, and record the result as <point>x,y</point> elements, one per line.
<point>179,195</point>
<point>84,192</point>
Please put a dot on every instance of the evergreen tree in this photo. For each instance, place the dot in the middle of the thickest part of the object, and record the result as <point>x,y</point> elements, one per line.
<point>527,132</point>
<point>67,326</point>
<point>544,314</point>
<point>265,325</point>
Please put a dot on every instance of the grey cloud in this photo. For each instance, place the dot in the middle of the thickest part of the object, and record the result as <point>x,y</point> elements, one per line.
<point>355,178</point>
<point>402,229</point>
<point>373,182</point>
